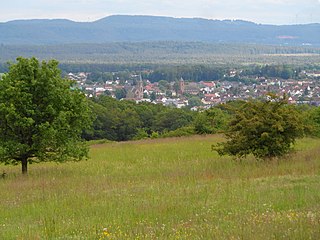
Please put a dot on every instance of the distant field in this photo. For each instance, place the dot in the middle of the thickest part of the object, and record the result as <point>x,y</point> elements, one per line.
<point>164,189</point>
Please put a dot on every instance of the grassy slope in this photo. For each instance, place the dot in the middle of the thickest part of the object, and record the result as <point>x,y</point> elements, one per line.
<point>166,189</point>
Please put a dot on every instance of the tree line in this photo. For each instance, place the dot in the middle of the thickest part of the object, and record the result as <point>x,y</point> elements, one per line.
<point>274,71</point>
<point>126,120</point>
<point>172,72</point>
<point>196,73</point>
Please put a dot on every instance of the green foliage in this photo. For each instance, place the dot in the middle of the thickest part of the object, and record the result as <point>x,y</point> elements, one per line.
<point>128,124</point>
<point>120,93</point>
<point>105,120</point>
<point>281,71</point>
<point>153,96</point>
<point>41,118</point>
<point>202,124</point>
<point>126,120</point>
<point>115,120</point>
<point>194,101</point>
<point>266,129</point>
<point>99,77</point>
<point>171,119</point>
<point>154,135</point>
<point>313,120</point>
<point>180,132</point>
<point>212,120</point>
<point>141,134</point>
<point>164,85</point>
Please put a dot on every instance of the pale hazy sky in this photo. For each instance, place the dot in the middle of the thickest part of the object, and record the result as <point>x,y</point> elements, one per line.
<point>259,11</point>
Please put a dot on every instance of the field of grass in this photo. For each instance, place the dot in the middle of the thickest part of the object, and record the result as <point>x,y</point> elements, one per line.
<point>164,189</point>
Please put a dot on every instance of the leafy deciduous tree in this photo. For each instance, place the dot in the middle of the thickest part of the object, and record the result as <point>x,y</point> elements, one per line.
<point>41,116</point>
<point>266,129</point>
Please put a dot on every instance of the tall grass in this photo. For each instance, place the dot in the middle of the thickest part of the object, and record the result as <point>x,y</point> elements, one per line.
<point>165,189</point>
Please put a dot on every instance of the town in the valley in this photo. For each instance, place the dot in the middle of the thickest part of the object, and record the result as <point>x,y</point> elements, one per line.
<point>203,94</point>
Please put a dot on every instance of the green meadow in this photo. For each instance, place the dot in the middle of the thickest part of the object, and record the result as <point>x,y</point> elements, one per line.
<point>173,188</point>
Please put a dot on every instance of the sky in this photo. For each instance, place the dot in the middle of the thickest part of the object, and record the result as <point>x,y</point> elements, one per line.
<point>259,11</point>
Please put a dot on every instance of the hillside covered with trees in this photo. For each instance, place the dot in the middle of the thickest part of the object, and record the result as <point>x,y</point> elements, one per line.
<point>150,28</point>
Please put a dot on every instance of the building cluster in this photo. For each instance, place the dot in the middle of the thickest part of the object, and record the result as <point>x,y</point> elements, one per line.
<point>209,93</point>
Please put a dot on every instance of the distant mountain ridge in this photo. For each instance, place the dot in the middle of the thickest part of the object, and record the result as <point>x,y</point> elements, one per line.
<point>122,28</point>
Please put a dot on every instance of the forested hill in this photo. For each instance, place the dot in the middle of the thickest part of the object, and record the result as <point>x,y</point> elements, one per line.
<point>149,28</point>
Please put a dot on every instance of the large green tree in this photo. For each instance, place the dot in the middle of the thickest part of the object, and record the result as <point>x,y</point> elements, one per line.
<point>266,129</point>
<point>41,115</point>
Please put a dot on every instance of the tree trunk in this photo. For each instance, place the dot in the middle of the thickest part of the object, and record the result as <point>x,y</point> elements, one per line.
<point>24,163</point>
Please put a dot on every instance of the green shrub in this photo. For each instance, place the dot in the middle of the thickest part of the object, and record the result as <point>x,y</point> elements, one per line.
<point>180,132</point>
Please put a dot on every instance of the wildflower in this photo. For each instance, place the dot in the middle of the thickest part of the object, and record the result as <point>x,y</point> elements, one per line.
<point>105,232</point>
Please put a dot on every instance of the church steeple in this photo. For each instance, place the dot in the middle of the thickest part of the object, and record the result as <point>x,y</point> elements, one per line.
<point>139,91</point>
<point>181,86</point>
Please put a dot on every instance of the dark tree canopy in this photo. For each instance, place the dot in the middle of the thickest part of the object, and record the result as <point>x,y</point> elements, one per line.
<point>41,116</point>
<point>266,129</point>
